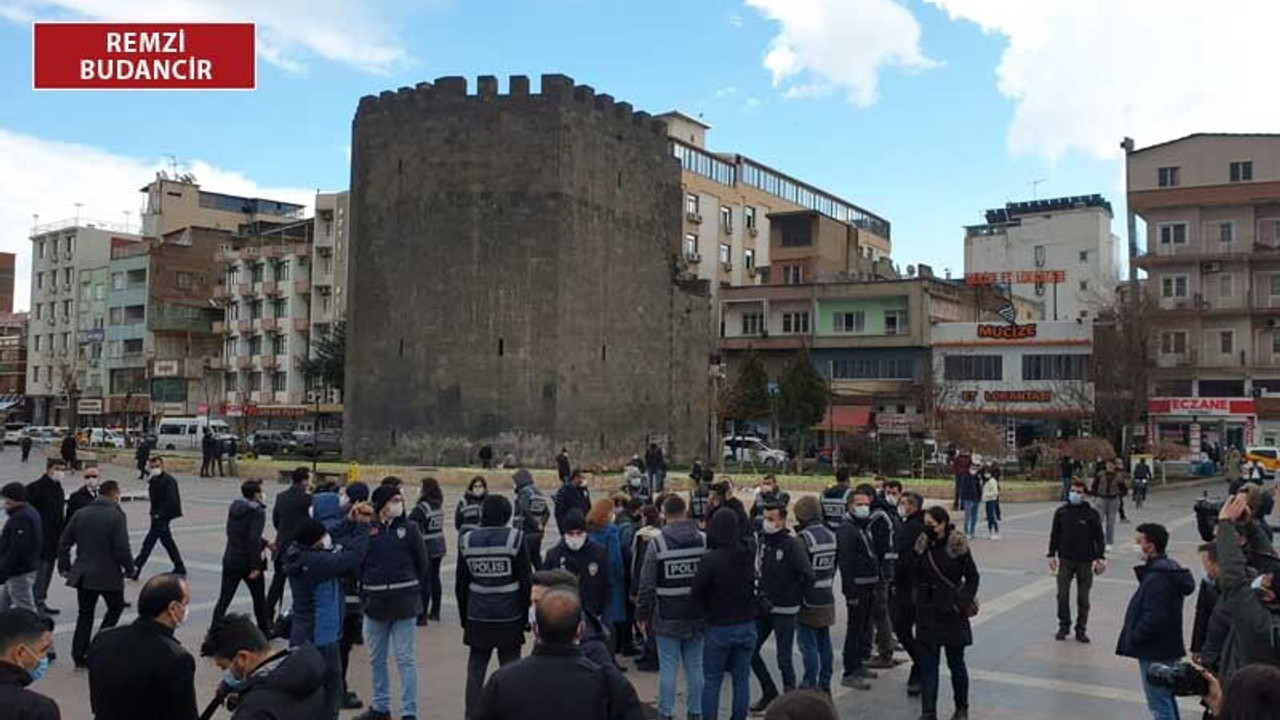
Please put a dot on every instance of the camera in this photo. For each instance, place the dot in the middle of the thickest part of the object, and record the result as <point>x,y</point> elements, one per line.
<point>1180,678</point>
<point>1207,517</point>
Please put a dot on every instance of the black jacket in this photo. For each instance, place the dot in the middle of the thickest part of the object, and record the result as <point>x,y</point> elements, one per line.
<point>1077,534</point>
<point>20,543</point>
<point>939,619</point>
<point>396,556</point>
<point>19,703</point>
<point>856,554</point>
<point>79,500</point>
<point>556,681</point>
<point>569,497</point>
<point>166,502</point>
<point>50,500</point>
<point>724,588</point>
<point>785,570</point>
<point>912,528</point>
<point>291,510</point>
<point>100,534</point>
<point>245,522</point>
<point>288,686</point>
<point>1206,600</point>
<point>141,672</point>
<point>591,565</point>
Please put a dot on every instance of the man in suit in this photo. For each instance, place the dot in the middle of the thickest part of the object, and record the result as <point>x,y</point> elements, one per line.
<point>166,506</point>
<point>48,499</point>
<point>291,511</point>
<point>100,534</point>
<point>85,494</point>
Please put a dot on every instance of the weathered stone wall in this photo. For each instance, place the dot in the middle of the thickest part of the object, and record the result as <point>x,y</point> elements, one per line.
<point>513,280</point>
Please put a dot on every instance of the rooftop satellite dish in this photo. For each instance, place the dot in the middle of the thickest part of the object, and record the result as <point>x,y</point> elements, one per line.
<point>911,271</point>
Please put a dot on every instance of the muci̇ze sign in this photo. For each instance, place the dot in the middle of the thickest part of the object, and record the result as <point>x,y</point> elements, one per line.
<point>1200,406</point>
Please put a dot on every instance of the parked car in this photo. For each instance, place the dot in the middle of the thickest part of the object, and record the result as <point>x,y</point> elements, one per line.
<point>752,450</point>
<point>104,437</point>
<point>13,433</point>
<point>45,434</point>
<point>319,443</point>
<point>186,432</point>
<point>272,442</point>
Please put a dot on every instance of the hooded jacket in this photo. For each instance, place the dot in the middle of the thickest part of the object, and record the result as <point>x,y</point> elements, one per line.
<point>1153,622</point>
<point>570,497</point>
<point>315,579</point>
<point>531,511</point>
<point>245,522</point>
<point>326,508</point>
<point>724,588</point>
<point>288,686</point>
<point>1251,621</point>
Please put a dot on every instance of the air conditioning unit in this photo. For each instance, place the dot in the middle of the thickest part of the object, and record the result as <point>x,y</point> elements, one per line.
<point>753,231</point>
<point>693,259</point>
<point>1212,267</point>
<point>727,266</point>
<point>693,217</point>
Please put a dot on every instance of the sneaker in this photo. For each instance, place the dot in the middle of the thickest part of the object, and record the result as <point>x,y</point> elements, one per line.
<point>866,674</point>
<point>373,715</point>
<point>1083,637</point>
<point>855,682</point>
<point>882,663</point>
<point>996,537</point>
<point>1061,635</point>
<point>351,701</point>
<point>761,705</point>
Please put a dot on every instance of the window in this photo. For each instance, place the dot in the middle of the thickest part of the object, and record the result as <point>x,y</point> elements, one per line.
<point>1275,342</point>
<point>895,322</point>
<point>691,204</point>
<point>973,367</point>
<point>873,370</point>
<point>749,217</point>
<point>792,274</point>
<point>255,381</point>
<point>690,246</point>
<point>279,382</point>
<point>1055,367</point>
<point>185,280</point>
<point>1275,285</point>
<point>752,323</point>
<point>233,311</point>
<point>1084,285</point>
<point>749,259</point>
<point>40,281</point>
<point>38,339</point>
<point>1226,342</point>
<point>133,347</point>
<point>117,281</point>
<point>255,310</point>
<point>1242,171</point>
<point>256,273</point>
<point>1224,285</point>
<point>1167,177</point>
<point>1226,232</point>
<point>66,309</point>
<point>255,345</point>
<point>53,280</point>
<point>726,219</point>
<point>280,344</point>
<point>71,245</point>
<point>66,277</point>
<point>796,231</point>
<point>850,322</point>
<point>115,315</point>
<point>1084,256</point>
<point>40,249</point>
<point>282,271</point>
<point>1173,343</point>
<point>1175,286</point>
<point>795,322</point>
<point>1039,252</point>
<point>281,309</point>
<point>1173,234</point>
<point>724,253</point>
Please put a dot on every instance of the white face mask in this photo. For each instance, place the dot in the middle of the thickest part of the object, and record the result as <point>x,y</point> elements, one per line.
<point>154,471</point>
<point>533,616</point>
<point>57,475</point>
<point>91,483</point>
<point>771,528</point>
<point>575,542</point>
<point>476,492</point>
<point>862,512</point>
<point>326,542</point>
<point>1137,550</point>
<point>892,500</point>
<point>396,509</point>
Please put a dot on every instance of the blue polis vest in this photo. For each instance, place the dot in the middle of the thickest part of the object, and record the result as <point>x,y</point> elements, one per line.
<point>678,563</point>
<point>490,554</point>
<point>835,503</point>
<point>820,544</point>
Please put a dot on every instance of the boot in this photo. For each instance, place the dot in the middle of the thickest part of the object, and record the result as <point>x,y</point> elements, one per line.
<point>961,713</point>
<point>1082,636</point>
<point>351,701</point>
<point>882,663</point>
<point>762,704</point>
<point>1061,634</point>
<point>373,715</point>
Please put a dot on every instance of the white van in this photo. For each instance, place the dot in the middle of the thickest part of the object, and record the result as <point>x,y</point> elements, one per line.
<point>105,437</point>
<point>185,433</point>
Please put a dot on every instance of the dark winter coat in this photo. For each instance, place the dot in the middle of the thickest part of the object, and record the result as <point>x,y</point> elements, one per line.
<point>316,581</point>
<point>856,555</point>
<point>290,511</point>
<point>970,487</point>
<point>912,528</point>
<point>591,565</point>
<point>166,501</point>
<point>79,500</point>
<point>19,703</point>
<point>436,547</point>
<point>1076,535</point>
<point>100,534</point>
<point>1153,623</point>
<point>557,681</point>
<point>562,467</point>
<point>48,498</point>
<point>939,618</point>
<point>20,543</point>
<point>1206,601</point>
<point>288,686</point>
<point>396,556</point>
<point>246,520</point>
<point>785,570</point>
<point>141,672</point>
<point>569,497</point>
<point>1248,639</point>
<point>724,588</point>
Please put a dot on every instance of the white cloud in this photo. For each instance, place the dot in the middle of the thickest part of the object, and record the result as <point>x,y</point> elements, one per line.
<point>1085,73</point>
<point>361,34</point>
<point>735,20</point>
<point>826,46</point>
<point>47,178</point>
<point>725,92</point>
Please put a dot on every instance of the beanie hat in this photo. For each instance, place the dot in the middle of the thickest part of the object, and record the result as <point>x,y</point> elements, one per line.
<point>358,492</point>
<point>310,533</point>
<point>573,520</point>
<point>14,491</point>
<point>522,477</point>
<point>495,511</point>
<point>807,509</point>
<point>382,495</point>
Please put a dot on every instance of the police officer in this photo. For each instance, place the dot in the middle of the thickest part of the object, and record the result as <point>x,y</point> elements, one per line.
<point>886,525</point>
<point>700,496</point>
<point>493,586</point>
<point>783,571</point>
<point>859,575</point>
<point>531,514</point>
<point>835,500</point>
<point>428,515</point>
<point>769,494</point>
<point>634,487</point>
<point>467,516</point>
<point>818,608</point>
<point>583,557</point>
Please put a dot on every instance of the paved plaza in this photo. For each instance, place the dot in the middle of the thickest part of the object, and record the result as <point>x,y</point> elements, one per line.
<point>1018,670</point>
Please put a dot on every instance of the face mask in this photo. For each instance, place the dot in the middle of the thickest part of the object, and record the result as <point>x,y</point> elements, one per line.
<point>40,669</point>
<point>892,500</point>
<point>771,528</point>
<point>533,616</point>
<point>1074,498</point>
<point>575,542</point>
<point>155,471</point>
<point>396,509</point>
<point>326,542</point>
<point>767,490</point>
<point>344,502</point>
<point>862,512</point>
<point>476,492</point>
<point>91,483</point>
<point>57,475</point>
<point>1137,550</point>
<point>230,680</point>
<point>1256,585</point>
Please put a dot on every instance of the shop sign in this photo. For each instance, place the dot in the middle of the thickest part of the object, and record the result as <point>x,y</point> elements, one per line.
<point>1017,396</point>
<point>1193,431</point>
<point>1201,406</point>
<point>165,368</point>
<point>1023,277</point>
<point>1007,332</point>
<point>89,406</point>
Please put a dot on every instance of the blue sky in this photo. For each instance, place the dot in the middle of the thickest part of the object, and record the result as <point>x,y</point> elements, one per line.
<point>923,111</point>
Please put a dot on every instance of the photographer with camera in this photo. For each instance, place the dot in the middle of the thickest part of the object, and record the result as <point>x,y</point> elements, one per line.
<point>1252,692</point>
<point>1152,632</point>
<point>1248,597</point>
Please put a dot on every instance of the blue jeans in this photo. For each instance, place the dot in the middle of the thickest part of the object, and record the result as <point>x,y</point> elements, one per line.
<point>727,649</point>
<point>930,661</point>
<point>993,516</point>
<point>1160,701</point>
<point>784,628</point>
<point>815,651</point>
<point>970,517</point>
<point>657,482</point>
<point>396,635</point>
<point>672,653</point>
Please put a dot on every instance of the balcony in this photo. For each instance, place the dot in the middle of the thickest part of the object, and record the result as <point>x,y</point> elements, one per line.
<point>322,278</point>
<point>219,327</point>
<point>244,362</point>
<point>220,292</point>
<point>269,288</point>
<point>215,362</point>
<point>269,251</point>
<point>1176,360</point>
<point>226,256</point>
<point>266,361</point>
<point>302,287</point>
<point>301,325</point>
<point>244,326</point>
<point>269,325</point>
<point>258,396</point>
<point>244,290</point>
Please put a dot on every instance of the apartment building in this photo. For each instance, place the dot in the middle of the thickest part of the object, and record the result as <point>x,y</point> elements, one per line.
<point>60,253</point>
<point>8,277</point>
<point>871,340</point>
<point>13,366</point>
<point>264,284</point>
<point>1068,236</point>
<point>1210,208</point>
<point>729,201</point>
<point>329,278</point>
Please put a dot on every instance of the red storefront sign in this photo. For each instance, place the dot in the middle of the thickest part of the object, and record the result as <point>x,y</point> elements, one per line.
<point>1007,332</point>
<point>143,56</point>
<point>1009,277</point>
<point>1201,406</point>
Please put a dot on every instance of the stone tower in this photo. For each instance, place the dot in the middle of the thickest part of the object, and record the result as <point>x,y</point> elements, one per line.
<point>514,280</point>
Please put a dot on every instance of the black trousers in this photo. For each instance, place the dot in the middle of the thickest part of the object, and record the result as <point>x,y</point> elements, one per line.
<point>352,635</point>
<point>533,544</point>
<point>160,531</point>
<point>857,637</point>
<point>276,593</point>
<point>88,602</point>
<point>432,590</point>
<point>231,579</point>
<point>904,621</point>
<point>332,682</point>
<point>478,666</point>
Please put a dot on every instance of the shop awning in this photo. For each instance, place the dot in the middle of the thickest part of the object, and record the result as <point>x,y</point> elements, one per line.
<point>845,417</point>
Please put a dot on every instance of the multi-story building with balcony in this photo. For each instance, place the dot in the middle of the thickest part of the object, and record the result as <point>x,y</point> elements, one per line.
<point>265,286</point>
<point>329,280</point>
<point>13,366</point>
<point>730,202</point>
<point>60,252</point>
<point>1210,204</point>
